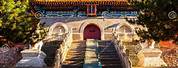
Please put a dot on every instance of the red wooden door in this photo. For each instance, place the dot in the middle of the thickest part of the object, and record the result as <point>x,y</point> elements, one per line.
<point>92,32</point>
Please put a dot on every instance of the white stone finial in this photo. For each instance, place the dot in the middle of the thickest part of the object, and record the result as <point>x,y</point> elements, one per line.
<point>149,44</point>
<point>38,45</point>
<point>152,44</point>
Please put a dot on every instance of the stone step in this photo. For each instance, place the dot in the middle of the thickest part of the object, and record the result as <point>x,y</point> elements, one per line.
<point>111,62</point>
<point>106,49</point>
<point>76,52</point>
<point>75,49</point>
<point>112,66</point>
<point>75,56</point>
<point>107,53</point>
<point>132,54</point>
<point>80,51</point>
<point>108,56</point>
<point>111,58</point>
<point>105,46</point>
<point>72,63</point>
<point>77,45</point>
<point>104,64</point>
<point>74,59</point>
<point>72,66</point>
<point>113,51</point>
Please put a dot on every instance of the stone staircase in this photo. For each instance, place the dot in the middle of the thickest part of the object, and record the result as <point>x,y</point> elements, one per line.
<point>75,56</point>
<point>108,55</point>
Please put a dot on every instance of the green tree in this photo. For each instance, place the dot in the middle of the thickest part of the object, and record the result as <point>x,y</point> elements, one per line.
<point>17,24</point>
<point>159,17</point>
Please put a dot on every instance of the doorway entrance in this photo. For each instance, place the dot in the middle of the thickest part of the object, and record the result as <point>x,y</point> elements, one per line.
<point>92,31</point>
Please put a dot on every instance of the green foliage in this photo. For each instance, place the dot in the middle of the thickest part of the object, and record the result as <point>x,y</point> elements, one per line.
<point>16,24</point>
<point>154,16</point>
<point>40,33</point>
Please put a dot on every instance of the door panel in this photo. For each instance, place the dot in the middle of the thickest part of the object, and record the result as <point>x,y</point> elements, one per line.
<point>92,32</point>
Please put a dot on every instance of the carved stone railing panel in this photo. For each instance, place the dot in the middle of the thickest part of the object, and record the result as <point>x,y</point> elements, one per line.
<point>132,51</point>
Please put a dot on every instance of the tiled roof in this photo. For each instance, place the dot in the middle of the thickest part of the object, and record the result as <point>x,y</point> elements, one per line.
<point>77,0</point>
<point>63,4</point>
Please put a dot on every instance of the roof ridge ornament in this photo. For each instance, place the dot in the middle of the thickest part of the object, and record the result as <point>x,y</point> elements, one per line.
<point>39,14</point>
<point>4,48</point>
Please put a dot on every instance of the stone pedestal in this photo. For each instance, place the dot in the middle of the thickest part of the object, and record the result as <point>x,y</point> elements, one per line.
<point>32,59</point>
<point>152,58</point>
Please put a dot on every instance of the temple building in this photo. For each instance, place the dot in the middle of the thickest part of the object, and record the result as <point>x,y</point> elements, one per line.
<point>87,19</point>
<point>89,32</point>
